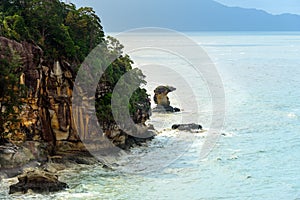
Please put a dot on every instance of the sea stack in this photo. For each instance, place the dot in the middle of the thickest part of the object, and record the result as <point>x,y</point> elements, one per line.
<point>162,100</point>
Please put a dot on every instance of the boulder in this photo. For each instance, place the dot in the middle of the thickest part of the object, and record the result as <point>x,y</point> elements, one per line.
<point>39,182</point>
<point>187,127</point>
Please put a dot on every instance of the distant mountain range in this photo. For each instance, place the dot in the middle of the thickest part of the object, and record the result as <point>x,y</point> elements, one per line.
<point>189,15</point>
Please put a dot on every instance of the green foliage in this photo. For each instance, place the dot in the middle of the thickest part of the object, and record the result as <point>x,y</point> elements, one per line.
<point>14,27</point>
<point>61,30</point>
<point>139,102</point>
<point>85,29</point>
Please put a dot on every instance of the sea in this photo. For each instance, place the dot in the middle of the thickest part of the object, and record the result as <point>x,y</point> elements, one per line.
<point>255,102</point>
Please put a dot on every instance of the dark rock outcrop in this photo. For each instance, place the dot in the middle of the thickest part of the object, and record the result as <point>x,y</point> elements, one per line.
<point>162,100</point>
<point>39,182</point>
<point>187,127</point>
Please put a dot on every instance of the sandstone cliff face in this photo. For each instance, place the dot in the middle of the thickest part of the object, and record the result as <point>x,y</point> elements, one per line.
<point>47,114</point>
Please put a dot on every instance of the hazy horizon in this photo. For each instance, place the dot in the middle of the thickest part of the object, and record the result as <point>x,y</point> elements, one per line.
<point>271,7</point>
<point>191,15</point>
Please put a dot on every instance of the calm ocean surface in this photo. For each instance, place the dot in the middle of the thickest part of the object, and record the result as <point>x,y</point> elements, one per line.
<point>258,156</point>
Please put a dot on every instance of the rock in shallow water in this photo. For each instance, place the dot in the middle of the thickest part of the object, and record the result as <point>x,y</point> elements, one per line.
<point>39,182</point>
<point>163,109</point>
<point>187,127</point>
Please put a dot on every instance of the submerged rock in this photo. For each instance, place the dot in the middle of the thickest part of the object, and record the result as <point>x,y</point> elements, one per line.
<point>187,127</point>
<point>162,100</point>
<point>39,182</point>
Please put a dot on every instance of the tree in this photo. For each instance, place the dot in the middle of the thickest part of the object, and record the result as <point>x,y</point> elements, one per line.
<point>85,29</point>
<point>14,27</point>
<point>61,30</point>
<point>139,102</point>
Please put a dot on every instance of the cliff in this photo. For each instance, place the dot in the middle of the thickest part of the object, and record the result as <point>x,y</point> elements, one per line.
<point>46,125</point>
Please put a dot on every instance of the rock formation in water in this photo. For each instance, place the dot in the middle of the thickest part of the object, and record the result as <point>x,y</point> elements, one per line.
<point>37,181</point>
<point>162,100</point>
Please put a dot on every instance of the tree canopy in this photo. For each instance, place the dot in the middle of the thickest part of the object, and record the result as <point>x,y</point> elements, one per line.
<point>60,29</point>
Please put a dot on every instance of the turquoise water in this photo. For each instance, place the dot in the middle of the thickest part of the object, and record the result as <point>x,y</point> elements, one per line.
<point>258,156</point>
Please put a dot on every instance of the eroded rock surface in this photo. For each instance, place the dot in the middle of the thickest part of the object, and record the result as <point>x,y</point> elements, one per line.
<point>162,100</point>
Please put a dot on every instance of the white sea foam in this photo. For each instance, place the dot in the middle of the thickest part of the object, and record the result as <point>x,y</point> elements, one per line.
<point>292,115</point>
